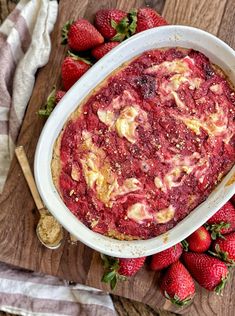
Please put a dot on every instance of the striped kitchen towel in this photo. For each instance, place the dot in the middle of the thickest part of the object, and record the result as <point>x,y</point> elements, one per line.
<point>24,47</point>
<point>32,294</point>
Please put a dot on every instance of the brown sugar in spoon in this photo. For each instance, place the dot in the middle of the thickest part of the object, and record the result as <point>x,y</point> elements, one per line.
<point>49,231</point>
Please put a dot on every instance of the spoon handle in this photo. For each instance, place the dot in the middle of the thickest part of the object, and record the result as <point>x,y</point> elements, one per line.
<point>24,163</point>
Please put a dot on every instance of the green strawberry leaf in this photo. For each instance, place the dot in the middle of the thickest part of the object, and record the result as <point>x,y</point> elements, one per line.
<point>114,24</point>
<point>50,104</point>
<point>122,29</point>
<point>184,244</point>
<point>217,248</point>
<point>214,235</point>
<point>177,301</point>
<point>216,229</point>
<point>64,32</point>
<point>108,276</point>
<point>213,253</point>
<point>113,283</point>
<point>123,25</point>
<point>105,260</point>
<point>221,285</point>
<point>77,57</point>
<point>133,20</point>
<point>223,255</point>
<point>111,275</point>
<point>118,37</point>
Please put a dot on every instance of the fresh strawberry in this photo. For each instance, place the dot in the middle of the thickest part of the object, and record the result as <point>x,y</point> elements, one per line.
<point>225,248</point>
<point>177,284</point>
<point>101,50</point>
<point>199,241</point>
<point>120,268</point>
<point>81,35</point>
<point>53,98</point>
<point>166,257</point>
<point>113,24</point>
<point>211,273</point>
<point>223,221</point>
<point>129,267</point>
<point>147,18</point>
<point>59,95</point>
<point>73,67</point>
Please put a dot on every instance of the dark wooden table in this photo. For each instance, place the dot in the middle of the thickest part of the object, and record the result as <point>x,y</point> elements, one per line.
<point>18,217</point>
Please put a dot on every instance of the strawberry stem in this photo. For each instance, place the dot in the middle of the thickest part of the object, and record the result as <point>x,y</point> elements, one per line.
<point>64,32</point>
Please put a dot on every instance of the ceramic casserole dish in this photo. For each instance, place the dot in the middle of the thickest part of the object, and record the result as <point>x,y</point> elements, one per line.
<point>219,53</point>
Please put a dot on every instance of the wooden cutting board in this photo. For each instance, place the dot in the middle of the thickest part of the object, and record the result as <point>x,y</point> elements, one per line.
<point>18,217</point>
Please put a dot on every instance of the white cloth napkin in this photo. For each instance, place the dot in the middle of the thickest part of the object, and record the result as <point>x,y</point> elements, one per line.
<point>24,47</point>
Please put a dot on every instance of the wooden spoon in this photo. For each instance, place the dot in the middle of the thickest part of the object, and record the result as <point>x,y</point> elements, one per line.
<point>49,231</point>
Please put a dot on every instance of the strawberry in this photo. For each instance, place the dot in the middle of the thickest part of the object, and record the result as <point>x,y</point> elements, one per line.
<point>81,35</point>
<point>73,67</point>
<point>59,95</point>
<point>177,284</point>
<point>113,24</point>
<point>211,273</point>
<point>147,18</point>
<point>53,98</point>
<point>166,257</point>
<point>225,248</point>
<point>223,221</point>
<point>120,268</point>
<point>199,241</point>
<point>101,50</point>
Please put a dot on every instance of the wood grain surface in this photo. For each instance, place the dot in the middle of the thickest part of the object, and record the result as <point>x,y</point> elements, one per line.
<point>205,14</point>
<point>18,217</point>
<point>6,7</point>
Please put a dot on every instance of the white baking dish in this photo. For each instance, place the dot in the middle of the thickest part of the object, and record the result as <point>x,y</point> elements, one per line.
<point>166,36</point>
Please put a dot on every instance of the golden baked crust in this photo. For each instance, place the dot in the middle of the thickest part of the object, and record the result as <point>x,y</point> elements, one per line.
<point>55,162</point>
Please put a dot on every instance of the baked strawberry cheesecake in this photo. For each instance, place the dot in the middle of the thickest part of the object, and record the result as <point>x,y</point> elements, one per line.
<point>148,145</point>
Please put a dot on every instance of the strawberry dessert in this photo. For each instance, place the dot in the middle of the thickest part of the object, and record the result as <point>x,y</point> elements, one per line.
<point>148,145</point>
